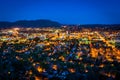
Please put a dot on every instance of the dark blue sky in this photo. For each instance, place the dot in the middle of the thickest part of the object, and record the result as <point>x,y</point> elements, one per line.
<point>63,11</point>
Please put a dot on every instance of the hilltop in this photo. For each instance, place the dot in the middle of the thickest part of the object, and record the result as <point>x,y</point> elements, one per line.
<point>30,23</point>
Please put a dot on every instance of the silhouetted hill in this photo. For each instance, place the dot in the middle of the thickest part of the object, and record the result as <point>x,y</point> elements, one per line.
<point>94,26</point>
<point>30,23</point>
<point>5,24</point>
<point>49,23</point>
<point>105,26</point>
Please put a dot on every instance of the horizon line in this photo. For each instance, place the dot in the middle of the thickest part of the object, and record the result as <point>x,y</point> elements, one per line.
<point>62,23</point>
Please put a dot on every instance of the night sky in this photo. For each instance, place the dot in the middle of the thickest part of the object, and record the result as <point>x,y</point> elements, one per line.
<point>63,11</point>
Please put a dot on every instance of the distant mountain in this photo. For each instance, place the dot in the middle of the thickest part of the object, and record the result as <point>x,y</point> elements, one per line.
<point>30,23</point>
<point>93,26</point>
<point>49,23</point>
<point>105,26</point>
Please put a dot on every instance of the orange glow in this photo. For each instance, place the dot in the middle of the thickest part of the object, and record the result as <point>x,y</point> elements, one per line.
<point>39,69</point>
<point>55,67</point>
<point>72,70</point>
<point>30,72</point>
<point>16,29</point>
<point>102,65</point>
<point>38,78</point>
<point>62,58</point>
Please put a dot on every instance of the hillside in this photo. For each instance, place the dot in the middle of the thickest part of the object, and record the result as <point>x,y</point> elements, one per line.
<point>30,23</point>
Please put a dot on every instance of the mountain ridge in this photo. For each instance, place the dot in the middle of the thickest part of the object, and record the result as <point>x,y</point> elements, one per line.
<point>30,23</point>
